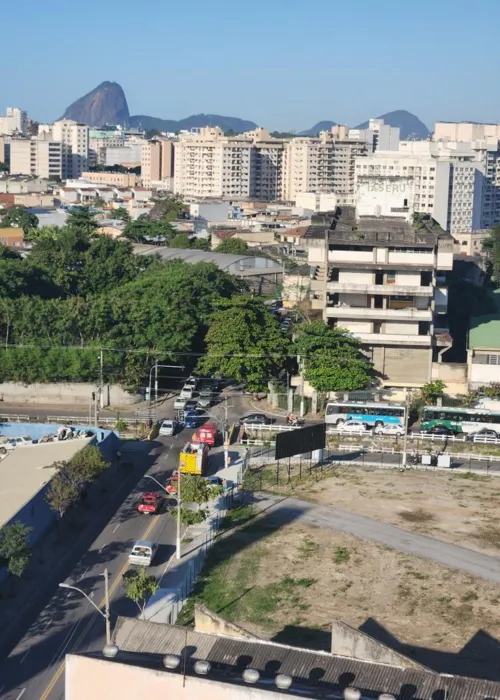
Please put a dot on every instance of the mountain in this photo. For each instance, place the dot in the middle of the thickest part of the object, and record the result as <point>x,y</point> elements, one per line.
<point>106,104</point>
<point>194,121</point>
<point>410,125</point>
<point>320,126</point>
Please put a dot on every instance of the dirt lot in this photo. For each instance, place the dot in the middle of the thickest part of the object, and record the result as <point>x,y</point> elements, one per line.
<point>288,583</point>
<point>462,508</point>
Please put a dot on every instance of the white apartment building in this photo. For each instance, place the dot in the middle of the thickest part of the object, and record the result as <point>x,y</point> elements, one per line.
<point>74,138</point>
<point>467,131</point>
<point>209,164</point>
<point>36,156</point>
<point>157,162</point>
<point>14,121</point>
<point>266,167</point>
<point>384,281</point>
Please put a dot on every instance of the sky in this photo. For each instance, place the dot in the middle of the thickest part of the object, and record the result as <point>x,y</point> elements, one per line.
<point>281,65</point>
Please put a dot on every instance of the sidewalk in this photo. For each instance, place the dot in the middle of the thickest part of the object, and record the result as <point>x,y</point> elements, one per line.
<point>60,549</point>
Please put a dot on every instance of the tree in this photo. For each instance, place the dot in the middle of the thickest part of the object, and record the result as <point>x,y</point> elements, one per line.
<point>196,489</point>
<point>432,391</point>
<point>244,342</point>
<point>233,246</point>
<point>122,214</point>
<point>491,246</point>
<point>62,493</point>
<point>43,232</point>
<point>144,230</point>
<point>4,168</point>
<point>181,240</point>
<point>87,465</point>
<point>331,358</point>
<point>139,586</point>
<point>82,219</point>
<point>21,218</point>
<point>167,206</point>
<point>200,244</point>
<point>15,551</point>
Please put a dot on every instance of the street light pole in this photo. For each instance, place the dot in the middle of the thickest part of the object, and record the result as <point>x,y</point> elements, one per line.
<point>155,367</point>
<point>178,531</point>
<point>405,436</point>
<point>106,614</point>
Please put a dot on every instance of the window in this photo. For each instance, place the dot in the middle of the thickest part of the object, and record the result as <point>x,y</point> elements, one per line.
<point>390,278</point>
<point>493,359</point>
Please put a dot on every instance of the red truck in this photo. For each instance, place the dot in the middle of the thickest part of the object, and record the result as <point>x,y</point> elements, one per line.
<point>206,434</point>
<point>151,504</point>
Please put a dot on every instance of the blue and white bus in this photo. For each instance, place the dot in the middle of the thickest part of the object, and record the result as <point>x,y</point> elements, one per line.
<point>373,414</point>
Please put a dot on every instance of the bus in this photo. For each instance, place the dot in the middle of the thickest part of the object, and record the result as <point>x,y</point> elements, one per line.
<point>461,420</point>
<point>373,414</point>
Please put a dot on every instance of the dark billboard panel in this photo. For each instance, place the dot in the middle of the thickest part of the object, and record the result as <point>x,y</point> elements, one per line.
<point>297,442</point>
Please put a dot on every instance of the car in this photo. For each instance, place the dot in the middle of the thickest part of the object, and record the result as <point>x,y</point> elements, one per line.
<point>485,433</point>
<point>186,393</point>
<point>389,429</point>
<point>179,404</point>
<point>189,406</point>
<point>439,430</point>
<point>12,443</point>
<point>151,504</point>
<point>205,401</point>
<point>143,552</point>
<point>354,426</point>
<point>168,427</point>
<point>193,419</point>
<point>254,418</point>
<point>191,383</point>
<point>218,481</point>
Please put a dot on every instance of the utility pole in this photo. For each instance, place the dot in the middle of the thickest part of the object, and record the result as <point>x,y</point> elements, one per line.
<point>178,532</point>
<point>101,358</point>
<point>106,609</point>
<point>226,436</point>
<point>405,436</point>
<point>156,381</point>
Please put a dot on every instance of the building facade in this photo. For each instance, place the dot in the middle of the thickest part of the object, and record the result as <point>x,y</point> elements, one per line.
<point>74,139</point>
<point>384,281</point>
<point>157,161</point>
<point>42,157</point>
<point>14,121</point>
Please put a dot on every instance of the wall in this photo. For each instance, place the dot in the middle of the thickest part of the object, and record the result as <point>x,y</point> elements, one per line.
<point>484,374</point>
<point>403,365</point>
<point>409,279</point>
<point>356,276</point>
<point>401,328</point>
<point>76,393</point>
<point>210,623</point>
<point>450,372</point>
<point>99,679</point>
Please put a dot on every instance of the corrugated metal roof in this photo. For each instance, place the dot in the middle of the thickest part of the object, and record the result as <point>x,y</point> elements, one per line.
<point>319,672</point>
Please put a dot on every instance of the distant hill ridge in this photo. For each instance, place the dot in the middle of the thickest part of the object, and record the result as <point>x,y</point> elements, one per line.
<point>409,124</point>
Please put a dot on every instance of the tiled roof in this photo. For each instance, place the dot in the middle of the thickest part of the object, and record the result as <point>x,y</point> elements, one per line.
<point>314,673</point>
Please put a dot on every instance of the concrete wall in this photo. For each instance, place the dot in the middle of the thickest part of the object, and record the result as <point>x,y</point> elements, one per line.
<point>348,641</point>
<point>209,622</point>
<point>74,393</point>
<point>450,371</point>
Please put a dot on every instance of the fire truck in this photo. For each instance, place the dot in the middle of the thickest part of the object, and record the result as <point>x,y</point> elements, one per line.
<point>193,458</point>
<point>206,434</point>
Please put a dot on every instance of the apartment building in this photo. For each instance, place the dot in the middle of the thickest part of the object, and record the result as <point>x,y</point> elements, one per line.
<point>209,164</point>
<point>385,281</point>
<point>42,157</point>
<point>14,121</point>
<point>266,167</point>
<point>112,179</point>
<point>157,161</point>
<point>467,131</point>
<point>74,139</point>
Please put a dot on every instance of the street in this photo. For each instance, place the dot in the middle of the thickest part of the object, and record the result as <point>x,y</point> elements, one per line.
<point>34,668</point>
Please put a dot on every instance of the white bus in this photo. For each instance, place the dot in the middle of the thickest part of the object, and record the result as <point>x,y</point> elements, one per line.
<point>373,414</point>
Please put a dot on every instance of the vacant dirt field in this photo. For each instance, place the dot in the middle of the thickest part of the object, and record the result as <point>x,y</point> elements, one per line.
<point>289,583</point>
<point>461,508</point>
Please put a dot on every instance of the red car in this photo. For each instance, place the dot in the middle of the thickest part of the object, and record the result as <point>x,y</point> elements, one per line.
<point>151,504</point>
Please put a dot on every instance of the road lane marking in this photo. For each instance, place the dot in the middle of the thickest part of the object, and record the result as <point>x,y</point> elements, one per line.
<point>25,656</point>
<point>21,694</point>
<point>116,528</point>
<point>57,675</point>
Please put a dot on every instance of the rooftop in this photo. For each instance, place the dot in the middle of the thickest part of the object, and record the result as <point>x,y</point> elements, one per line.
<point>230,263</point>
<point>315,674</point>
<point>343,226</point>
<point>484,330</point>
<point>28,468</point>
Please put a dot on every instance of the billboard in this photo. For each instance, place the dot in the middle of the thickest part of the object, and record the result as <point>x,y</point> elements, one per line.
<point>297,442</point>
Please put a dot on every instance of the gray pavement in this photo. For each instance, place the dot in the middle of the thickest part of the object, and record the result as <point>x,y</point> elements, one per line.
<point>445,553</point>
<point>34,668</point>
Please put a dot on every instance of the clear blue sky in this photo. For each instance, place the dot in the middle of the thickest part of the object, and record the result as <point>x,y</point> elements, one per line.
<point>282,65</point>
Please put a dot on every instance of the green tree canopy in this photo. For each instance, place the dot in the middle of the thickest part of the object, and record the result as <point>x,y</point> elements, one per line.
<point>15,551</point>
<point>244,342</point>
<point>167,206</point>
<point>83,220</point>
<point>140,586</point>
<point>332,358</point>
<point>233,246</point>
<point>122,214</point>
<point>145,230</point>
<point>21,218</point>
<point>181,240</point>
<point>491,246</point>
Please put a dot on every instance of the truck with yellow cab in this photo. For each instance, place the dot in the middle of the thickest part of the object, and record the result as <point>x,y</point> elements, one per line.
<point>193,458</point>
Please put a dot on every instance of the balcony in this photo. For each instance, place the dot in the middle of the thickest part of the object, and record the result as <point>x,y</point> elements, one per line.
<point>386,289</point>
<point>353,312</point>
<point>394,339</point>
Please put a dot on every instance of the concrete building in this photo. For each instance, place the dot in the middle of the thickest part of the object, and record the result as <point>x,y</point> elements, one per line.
<point>130,154</point>
<point>157,162</point>
<point>74,138</point>
<point>266,166</point>
<point>100,140</point>
<point>12,237</point>
<point>467,131</point>
<point>14,121</point>
<point>483,350</point>
<point>113,179</point>
<point>219,660</point>
<point>384,281</point>
<point>42,157</point>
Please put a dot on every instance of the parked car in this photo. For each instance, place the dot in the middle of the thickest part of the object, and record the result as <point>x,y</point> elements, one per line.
<point>487,433</point>
<point>179,403</point>
<point>189,406</point>
<point>151,504</point>
<point>390,429</point>
<point>186,393</point>
<point>354,426</point>
<point>12,443</point>
<point>254,418</point>
<point>193,419</point>
<point>191,383</point>
<point>439,430</point>
<point>206,396</point>
<point>168,427</point>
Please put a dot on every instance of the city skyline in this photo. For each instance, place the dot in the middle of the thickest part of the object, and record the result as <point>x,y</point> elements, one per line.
<point>226,67</point>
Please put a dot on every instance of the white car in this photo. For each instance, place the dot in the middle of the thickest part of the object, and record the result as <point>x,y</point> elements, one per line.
<point>191,383</point>
<point>354,426</point>
<point>390,429</point>
<point>168,427</point>
<point>17,442</point>
<point>186,393</point>
<point>179,404</point>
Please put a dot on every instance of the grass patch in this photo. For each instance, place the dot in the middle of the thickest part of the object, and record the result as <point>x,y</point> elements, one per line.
<point>238,516</point>
<point>490,536</point>
<point>419,515</point>
<point>470,595</point>
<point>471,476</point>
<point>341,555</point>
<point>308,548</point>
